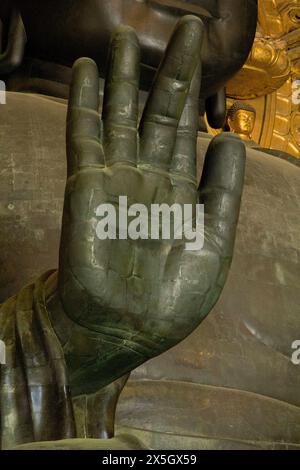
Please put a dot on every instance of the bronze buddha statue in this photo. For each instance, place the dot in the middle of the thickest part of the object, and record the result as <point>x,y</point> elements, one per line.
<point>118,302</point>
<point>227,377</point>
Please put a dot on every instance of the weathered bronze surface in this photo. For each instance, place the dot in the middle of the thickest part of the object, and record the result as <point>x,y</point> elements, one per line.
<point>118,303</point>
<point>59,32</point>
<point>239,359</point>
<point>242,350</point>
<point>12,53</point>
<point>232,379</point>
<point>62,31</point>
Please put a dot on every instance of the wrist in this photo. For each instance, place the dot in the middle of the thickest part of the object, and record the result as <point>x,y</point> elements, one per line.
<point>93,360</point>
<point>60,322</point>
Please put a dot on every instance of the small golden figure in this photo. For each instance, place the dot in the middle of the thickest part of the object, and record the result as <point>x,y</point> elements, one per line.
<point>241,119</point>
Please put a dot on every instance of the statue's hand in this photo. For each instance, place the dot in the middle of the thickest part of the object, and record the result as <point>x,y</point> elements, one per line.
<point>144,296</point>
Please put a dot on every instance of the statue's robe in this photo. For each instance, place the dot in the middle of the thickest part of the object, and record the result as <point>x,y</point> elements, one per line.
<point>36,403</point>
<point>35,400</point>
<point>232,383</point>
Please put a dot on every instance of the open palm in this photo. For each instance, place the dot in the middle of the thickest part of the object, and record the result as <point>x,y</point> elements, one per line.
<point>140,297</point>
